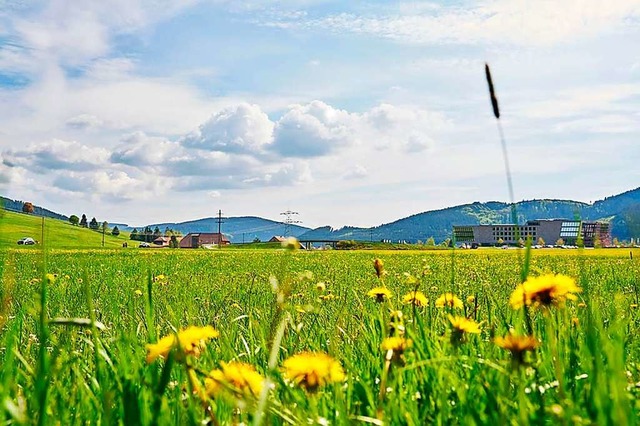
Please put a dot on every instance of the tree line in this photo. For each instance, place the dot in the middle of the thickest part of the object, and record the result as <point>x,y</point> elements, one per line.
<point>93,224</point>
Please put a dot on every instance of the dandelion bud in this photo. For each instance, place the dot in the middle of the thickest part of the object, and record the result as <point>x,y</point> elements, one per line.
<point>379,267</point>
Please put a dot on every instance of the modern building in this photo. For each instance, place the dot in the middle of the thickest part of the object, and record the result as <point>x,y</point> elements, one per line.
<point>550,230</point>
<point>196,240</point>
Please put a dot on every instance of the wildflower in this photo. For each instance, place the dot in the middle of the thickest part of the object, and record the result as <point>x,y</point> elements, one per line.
<point>191,339</point>
<point>544,290</point>
<point>395,347</point>
<point>396,344</point>
<point>460,327</point>
<point>312,370</point>
<point>239,378</point>
<point>416,298</point>
<point>582,305</point>
<point>380,294</point>
<point>291,244</point>
<point>633,305</point>
<point>138,292</point>
<point>379,267</point>
<point>517,345</point>
<point>449,300</point>
<point>471,300</point>
<point>321,286</point>
<point>575,321</point>
<point>51,278</point>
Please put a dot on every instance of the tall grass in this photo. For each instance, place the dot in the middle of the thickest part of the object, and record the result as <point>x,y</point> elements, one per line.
<point>584,371</point>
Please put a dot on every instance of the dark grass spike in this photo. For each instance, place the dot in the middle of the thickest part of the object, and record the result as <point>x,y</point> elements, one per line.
<point>492,92</point>
<point>505,157</point>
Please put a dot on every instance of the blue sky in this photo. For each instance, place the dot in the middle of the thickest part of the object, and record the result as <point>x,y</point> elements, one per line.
<point>352,113</point>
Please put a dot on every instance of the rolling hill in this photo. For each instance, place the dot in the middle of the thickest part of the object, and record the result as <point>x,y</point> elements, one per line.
<point>623,210</point>
<point>57,233</point>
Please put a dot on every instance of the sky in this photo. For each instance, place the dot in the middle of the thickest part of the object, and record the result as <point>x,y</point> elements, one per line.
<point>349,113</point>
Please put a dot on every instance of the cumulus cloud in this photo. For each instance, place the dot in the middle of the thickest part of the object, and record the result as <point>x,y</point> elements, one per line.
<point>138,149</point>
<point>236,148</point>
<point>114,184</point>
<point>313,130</point>
<point>57,154</point>
<point>241,128</point>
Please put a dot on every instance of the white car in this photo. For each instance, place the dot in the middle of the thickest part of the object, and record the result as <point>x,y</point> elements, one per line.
<point>27,241</point>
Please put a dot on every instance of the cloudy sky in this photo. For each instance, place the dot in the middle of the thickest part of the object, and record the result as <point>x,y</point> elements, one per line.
<point>351,113</point>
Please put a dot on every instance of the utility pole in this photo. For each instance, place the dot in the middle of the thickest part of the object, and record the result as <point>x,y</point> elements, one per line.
<point>219,220</point>
<point>289,220</point>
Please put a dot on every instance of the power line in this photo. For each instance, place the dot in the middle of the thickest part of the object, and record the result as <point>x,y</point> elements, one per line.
<point>289,220</point>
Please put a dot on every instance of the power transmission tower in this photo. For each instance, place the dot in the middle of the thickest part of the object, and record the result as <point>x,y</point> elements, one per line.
<point>220,222</point>
<point>289,220</point>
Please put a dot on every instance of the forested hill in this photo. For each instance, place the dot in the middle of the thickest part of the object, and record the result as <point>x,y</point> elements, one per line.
<point>16,206</point>
<point>623,210</point>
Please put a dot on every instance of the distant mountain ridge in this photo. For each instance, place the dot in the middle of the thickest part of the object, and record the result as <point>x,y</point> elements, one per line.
<point>237,229</point>
<point>623,210</point>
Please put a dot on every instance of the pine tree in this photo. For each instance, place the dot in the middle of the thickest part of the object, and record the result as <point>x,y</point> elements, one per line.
<point>83,221</point>
<point>115,231</point>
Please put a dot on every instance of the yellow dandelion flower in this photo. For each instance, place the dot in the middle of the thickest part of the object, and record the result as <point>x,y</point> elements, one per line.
<point>51,278</point>
<point>311,370</point>
<point>321,286</point>
<point>471,300</point>
<point>464,325</point>
<point>396,344</point>
<point>544,290</point>
<point>380,294</point>
<point>238,378</point>
<point>138,292</point>
<point>378,265</point>
<point>449,300</point>
<point>192,340</point>
<point>416,298</point>
<point>517,345</point>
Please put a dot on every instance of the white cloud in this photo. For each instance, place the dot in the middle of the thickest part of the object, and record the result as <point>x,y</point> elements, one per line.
<point>241,128</point>
<point>55,155</point>
<point>140,150</point>
<point>84,121</point>
<point>519,22</point>
<point>313,130</point>
<point>357,172</point>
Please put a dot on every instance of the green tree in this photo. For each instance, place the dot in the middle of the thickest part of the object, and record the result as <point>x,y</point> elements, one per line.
<point>83,221</point>
<point>27,208</point>
<point>74,220</point>
<point>115,231</point>
<point>173,242</point>
<point>94,224</point>
<point>134,234</point>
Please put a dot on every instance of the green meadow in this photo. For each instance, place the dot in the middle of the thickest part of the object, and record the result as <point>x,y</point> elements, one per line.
<point>56,233</point>
<point>73,343</point>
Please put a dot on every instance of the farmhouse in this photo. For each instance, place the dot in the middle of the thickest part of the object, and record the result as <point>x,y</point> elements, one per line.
<point>550,230</point>
<point>196,240</point>
<point>162,241</point>
<point>278,239</point>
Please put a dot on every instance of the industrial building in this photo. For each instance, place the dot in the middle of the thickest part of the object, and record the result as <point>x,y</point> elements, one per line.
<point>550,230</point>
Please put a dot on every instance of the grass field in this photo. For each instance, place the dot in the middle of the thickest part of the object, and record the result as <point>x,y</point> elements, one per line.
<point>83,359</point>
<point>58,234</point>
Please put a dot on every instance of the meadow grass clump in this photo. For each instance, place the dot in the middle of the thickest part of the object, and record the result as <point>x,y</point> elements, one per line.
<point>288,337</point>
